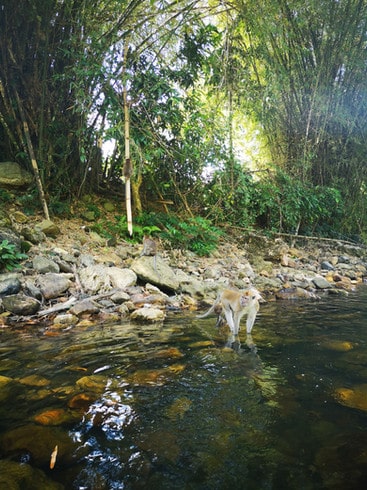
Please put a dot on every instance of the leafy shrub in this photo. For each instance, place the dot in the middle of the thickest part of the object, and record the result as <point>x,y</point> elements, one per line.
<point>196,234</point>
<point>285,204</point>
<point>118,229</point>
<point>9,256</point>
<point>228,197</point>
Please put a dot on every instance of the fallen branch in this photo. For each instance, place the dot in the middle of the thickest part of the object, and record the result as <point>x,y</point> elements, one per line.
<point>321,239</point>
<point>72,301</point>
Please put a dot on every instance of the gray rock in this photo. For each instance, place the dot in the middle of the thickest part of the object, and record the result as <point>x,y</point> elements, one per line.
<point>20,304</point>
<point>12,237</point>
<point>43,265</point>
<point>326,266</point>
<point>9,284</point>
<point>48,227</point>
<point>100,278</point>
<point>85,306</point>
<point>295,293</point>
<point>53,285</point>
<point>32,290</point>
<point>190,285</point>
<point>156,271</point>
<point>120,297</point>
<point>33,235</point>
<point>13,176</point>
<point>321,283</point>
<point>150,315</point>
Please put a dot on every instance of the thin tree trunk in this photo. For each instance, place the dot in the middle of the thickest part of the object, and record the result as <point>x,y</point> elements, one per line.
<point>32,157</point>
<point>128,167</point>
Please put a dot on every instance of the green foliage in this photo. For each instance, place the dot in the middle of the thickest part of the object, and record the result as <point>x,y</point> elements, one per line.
<point>228,197</point>
<point>196,234</point>
<point>30,202</point>
<point>285,204</point>
<point>5,196</point>
<point>9,256</point>
<point>118,229</point>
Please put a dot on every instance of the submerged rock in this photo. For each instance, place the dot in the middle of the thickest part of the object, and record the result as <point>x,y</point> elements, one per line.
<point>38,441</point>
<point>355,397</point>
<point>14,476</point>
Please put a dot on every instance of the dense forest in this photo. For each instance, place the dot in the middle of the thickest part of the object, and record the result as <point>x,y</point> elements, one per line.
<point>238,112</point>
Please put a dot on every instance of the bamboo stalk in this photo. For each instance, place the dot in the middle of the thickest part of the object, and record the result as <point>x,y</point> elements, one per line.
<point>32,157</point>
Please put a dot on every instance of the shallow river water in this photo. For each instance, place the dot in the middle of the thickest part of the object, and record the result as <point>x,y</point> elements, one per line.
<point>172,407</point>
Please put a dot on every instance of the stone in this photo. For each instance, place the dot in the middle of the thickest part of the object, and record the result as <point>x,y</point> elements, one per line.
<point>9,284</point>
<point>12,237</point>
<point>33,235</point>
<point>321,283</point>
<point>83,307</point>
<point>39,441</point>
<point>14,476</point>
<point>100,278</point>
<point>52,417</point>
<point>20,304</point>
<point>5,221</point>
<point>13,176</point>
<point>43,264</point>
<point>295,293</point>
<point>34,380</point>
<point>150,315</point>
<point>326,265</point>
<point>53,285</point>
<point>65,319</point>
<point>48,227</point>
<point>155,271</point>
<point>355,397</point>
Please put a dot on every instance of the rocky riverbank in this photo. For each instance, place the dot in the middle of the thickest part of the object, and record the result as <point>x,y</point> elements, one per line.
<point>73,277</point>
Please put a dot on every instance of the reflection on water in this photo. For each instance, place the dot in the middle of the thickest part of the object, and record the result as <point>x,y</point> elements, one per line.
<point>173,407</point>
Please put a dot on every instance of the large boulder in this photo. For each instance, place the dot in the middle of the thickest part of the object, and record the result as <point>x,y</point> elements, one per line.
<point>156,271</point>
<point>13,176</point>
<point>100,278</point>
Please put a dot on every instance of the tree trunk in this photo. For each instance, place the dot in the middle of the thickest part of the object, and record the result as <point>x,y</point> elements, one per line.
<point>32,157</point>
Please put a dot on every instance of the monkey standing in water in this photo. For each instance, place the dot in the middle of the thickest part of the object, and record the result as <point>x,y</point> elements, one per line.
<point>149,249</point>
<point>235,304</point>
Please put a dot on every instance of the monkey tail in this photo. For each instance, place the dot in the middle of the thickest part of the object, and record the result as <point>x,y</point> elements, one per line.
<point>211,309</point>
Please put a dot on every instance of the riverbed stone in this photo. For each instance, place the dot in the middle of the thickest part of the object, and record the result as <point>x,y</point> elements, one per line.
<point>100,278</point>
<point>9,284</point>
<point>38,441</point>
<point>12,237</point>
<point>16,476</point>
<point>53,285</point>
<point>155,271</point>
<point>355,397</point>
<point>150,315</point>
<point>84,307</point>
<point>43,264</point>
<point>20,304</point>
<point>321,283</point>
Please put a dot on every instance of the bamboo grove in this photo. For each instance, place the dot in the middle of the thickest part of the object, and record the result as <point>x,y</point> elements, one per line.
<point>195,78</point>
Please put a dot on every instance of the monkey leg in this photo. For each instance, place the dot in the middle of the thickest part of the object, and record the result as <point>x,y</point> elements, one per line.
<point>229,318</point>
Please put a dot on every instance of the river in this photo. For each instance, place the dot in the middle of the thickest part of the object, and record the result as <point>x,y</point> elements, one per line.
<point>173,407</point>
